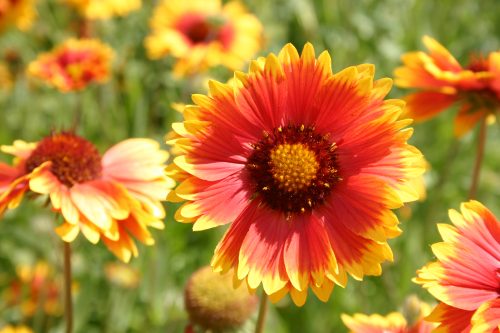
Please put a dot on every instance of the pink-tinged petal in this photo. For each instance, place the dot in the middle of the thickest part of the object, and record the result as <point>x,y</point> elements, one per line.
<point>19,149</point>
<point>218,202</point>
<point>450,319</point>
<point>7,175</point>
<point>425,105</point>
<point>307,253</point>
<point>207,169</point>
<point>487,317</point>
<point>134,159</point>
<point>100,202</point>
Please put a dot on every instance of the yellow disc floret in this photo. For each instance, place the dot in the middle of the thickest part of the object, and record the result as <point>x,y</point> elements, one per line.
<point>294,166</point>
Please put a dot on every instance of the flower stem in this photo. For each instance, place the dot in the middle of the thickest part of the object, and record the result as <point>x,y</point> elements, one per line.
<point>259,327</point>
<point>68,301</point>
<point>481,141</point>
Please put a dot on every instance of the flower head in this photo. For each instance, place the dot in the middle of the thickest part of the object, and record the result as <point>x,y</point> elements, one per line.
<point>466,276</point>
<point>202,33</point>
<point>214,304</point>
<point>35,287</point>
<point>114,197</point>
<point>304,164</point>
<point>19,13</point>
<point>74,64</point>
<point>411,320</point>
<point>442,81</point>
<point>104,9</point>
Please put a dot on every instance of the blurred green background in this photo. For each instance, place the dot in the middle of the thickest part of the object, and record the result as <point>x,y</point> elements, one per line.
<point>136,102</point>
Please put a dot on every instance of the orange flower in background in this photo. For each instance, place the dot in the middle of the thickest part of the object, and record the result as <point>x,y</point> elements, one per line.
<point>19,13</point>
<point>305,165</point>
<point>202,33</point>
<point>115,197</point>
<point>35,287</point>
<point>74,64</point>
<point>104,9</point>
<point>466,276</point>
<point>410,320</point>
<point>442,82</point>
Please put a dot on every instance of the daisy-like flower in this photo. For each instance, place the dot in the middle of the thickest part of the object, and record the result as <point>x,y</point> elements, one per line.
<point>104,9</point>
<point>466,276</point>
<point>115,197</point>
<point>19,13</point>
<point>74,64</point>
<point>202,33</point>
<point>304,164</point>
<point>410,321</point>
<point>441,81</point>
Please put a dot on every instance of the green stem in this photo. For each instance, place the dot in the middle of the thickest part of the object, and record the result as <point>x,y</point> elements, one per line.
<point>481,142</point>
<point>68,301</point>
<point>261,319</point>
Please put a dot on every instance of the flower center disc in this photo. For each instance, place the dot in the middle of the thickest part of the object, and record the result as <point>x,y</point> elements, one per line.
<point>293,168</point>
<point>74,159</point>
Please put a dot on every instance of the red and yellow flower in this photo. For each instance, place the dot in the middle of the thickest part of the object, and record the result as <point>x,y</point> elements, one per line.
<point>441,82</point>
<point>74,64</point>
<point>304,164</point>
<point>410,320</point>
<point>466,276</point>
<point>19,13</point>
<point>115,197</point>
<point>104,9</point>
<point>202,33</point>
<point>35,287</point>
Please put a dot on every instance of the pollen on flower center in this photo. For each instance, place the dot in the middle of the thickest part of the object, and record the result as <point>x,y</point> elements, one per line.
<point>294,166</point>
<point>74,159</point>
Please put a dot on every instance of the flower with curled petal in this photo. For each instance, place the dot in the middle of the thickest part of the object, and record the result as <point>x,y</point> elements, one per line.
<point>305,165</point>
<point>115,197</point>
<point>441,81</point>
<point>466,276</point>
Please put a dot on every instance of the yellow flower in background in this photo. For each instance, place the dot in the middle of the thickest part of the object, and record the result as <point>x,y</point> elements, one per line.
<point>104,9</point>
<point>122,275</point>
<point>35,287</point>
<point>202,33</point>
<point>410,320</point>
<point>16,329</point>
<point>116,197</point>
<point>74,64</point>
<point>306,166</point>
<point>19,13</point>
<point>214,304</point>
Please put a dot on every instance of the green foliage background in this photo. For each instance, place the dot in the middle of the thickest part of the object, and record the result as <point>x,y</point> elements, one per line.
<point>136,103</point>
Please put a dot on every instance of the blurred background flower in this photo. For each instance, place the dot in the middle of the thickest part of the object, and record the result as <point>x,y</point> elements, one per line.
<point>203,33</point>
<point>18,13</point>
<point>104,9</point>
<point>73,65</point>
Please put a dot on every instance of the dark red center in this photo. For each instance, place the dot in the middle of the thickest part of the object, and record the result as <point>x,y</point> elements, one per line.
<point>293,168</point>
<point>74,159</point>
<point>202,29</point>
